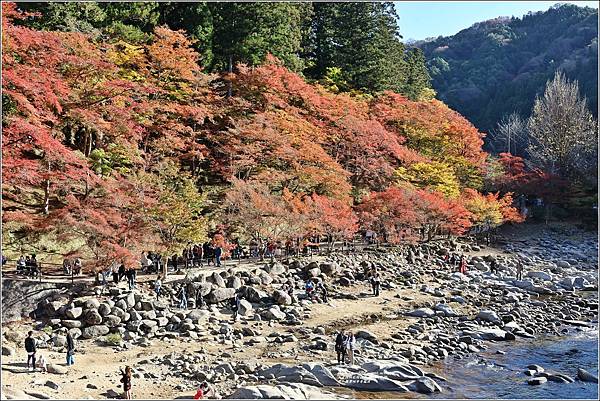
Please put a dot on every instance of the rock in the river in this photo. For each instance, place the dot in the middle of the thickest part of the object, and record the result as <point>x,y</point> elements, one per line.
<point>536,381</point>
<point>586,376</point>
<point>372,382</point>
<point>425,385</point>
<point>323,375</point>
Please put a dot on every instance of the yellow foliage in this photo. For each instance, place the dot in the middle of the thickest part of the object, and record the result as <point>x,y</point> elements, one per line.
<point>433,175</point>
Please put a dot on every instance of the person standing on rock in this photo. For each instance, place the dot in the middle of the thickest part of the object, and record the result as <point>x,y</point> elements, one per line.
<point>70,349</point>
<point>235,306</point>
<point>350,344</point>
<point>126,380</point>
<point>31,348</point>
<point>463,264</point>
<point>375,284</point>
<point>182,298</point>
<point>519,270</point>
<point>340,347</point>
<point>157,286</point>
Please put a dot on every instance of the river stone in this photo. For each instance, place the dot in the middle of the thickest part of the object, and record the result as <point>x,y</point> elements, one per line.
<point>425,385</point>
<point>586,376</point>
<point>92,303</point>
<point>282,297</point>
<point>74,313</point>
<point>539,274</point>
<point>218,295</point>
<point>245,308</point>
<point>70,324</point>
<point>367,335</point>
<point>373,382</point>
<point>288,391</point>
<point>488,316</point>
<point>111,320</point>
<point>489,333</point>
<point>421,312</point>
<point>251,294</point>
<point>56,369</point>
<point>273,313</point>
<point>537,381</point>
<point>92,317</point>
<point>446,309</point>
<point>323,374</point>
<point>104,309</point>
<point>95,331</point>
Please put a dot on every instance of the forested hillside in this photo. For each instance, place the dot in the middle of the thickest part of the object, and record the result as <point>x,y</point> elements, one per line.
<point>346,46</point>
<point>497,67</point>
<point>111,147</point>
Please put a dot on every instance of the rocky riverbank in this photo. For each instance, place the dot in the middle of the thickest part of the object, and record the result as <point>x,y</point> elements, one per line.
<point>282,346</point>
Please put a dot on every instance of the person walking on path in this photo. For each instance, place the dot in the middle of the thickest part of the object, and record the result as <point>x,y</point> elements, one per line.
<point>31,348</point>
<point>340,347</point>
<point>70,349</point>
<point>157,287</point>
<point>126,380</point>
<point>350,344</point>
<point>519,270</point>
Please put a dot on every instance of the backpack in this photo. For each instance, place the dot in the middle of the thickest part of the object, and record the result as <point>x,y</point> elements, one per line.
<point>30,344</point>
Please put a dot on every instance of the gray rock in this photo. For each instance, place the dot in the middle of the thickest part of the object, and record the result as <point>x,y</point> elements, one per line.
<point>367,335</point>
<point>421,312</point>
<point>273,313</point>
<point>218,295</point>
<point>70,324</point>
<point>56,369</point>
<point>52,385</point>
<point>488,316</point>
<point>323,375</point>
<point>92,303</point>
<point>446,309</point>
<point>425,385</point>
<point>8,351</point>
<point>92,317</point>
<point>537,381</point>
<point>282,297</point>
<point>288,391</point>
<point>104,309</point>
<point>586,376</point>
<point>372,382</point>
<point>111,320</point>
<point>245,308</point>
<point>251,294</point>
<point>95,331</point>
<point>73,313</point>
<point>59,341</point>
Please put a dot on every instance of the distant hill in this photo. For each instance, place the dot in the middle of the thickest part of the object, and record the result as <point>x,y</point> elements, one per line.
<point>498,66</point>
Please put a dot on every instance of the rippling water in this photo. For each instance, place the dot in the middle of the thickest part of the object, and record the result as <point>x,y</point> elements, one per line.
<point>492,375</point>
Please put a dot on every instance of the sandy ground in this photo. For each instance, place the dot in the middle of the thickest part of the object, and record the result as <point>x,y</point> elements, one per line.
<point>99,365</point>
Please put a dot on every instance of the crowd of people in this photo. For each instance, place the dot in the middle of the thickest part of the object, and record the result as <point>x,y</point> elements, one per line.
<point>28,266</point>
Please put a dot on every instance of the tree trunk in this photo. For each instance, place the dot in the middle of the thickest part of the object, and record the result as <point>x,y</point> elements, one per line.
<point>47,192</point>
<point>229,83</point>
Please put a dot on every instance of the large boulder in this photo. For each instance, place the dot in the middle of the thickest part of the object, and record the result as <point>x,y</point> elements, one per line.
<point>393,369</point>
<point>245,308</point>
<point>288,391</point>
<point>273,313</point>
<point>425,385</point>
<point>219,294</point>
<point>291,374</point>
<point>275,268</point>
<point>490,333</point>
<point>217,280</point>
<point>104,309</point>
<point>367,335</point>
<point>446,309</point>
<point>251,294</point>
<point>372,382</point>
<point>586,376</point>
<point>71,324</point>
<point>330,268</point>
<point>92,303</point>
<point>95,331</point>
<point>488,316</point>
<point>92,317</point>
<point>323,375</point>
<point>74,313</point>
<point>234,282</point>
<point>421,312</point>
<point>111,320</point>
<point>56,369</point>
<point>282,297</point>
<point>540,275</point>
<point>196,315</point>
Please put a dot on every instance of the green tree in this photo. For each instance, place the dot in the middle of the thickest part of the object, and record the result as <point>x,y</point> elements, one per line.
<point>84,17</point>
<point>247,32</point>
<point>417,76</point>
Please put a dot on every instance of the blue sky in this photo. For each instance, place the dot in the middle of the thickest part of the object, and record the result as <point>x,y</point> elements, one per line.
<point>422,19</point>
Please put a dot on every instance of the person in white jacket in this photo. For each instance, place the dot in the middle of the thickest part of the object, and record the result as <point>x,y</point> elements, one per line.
<point>350,345</point>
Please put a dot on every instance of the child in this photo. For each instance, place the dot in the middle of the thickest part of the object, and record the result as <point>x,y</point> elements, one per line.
<point>126,380</point>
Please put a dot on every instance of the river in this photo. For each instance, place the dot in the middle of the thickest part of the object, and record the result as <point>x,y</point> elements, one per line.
<point>493,375</point>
